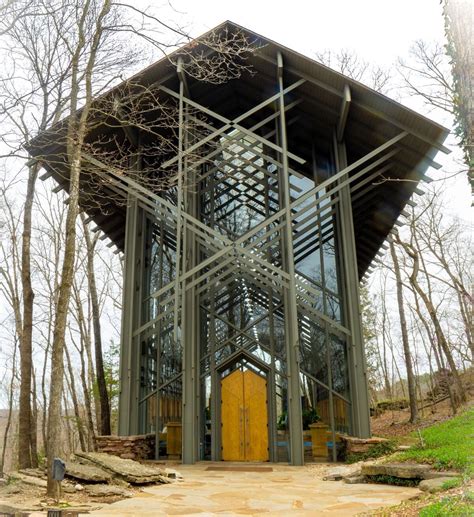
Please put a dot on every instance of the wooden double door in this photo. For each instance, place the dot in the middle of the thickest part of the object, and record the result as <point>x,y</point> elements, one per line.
<point>244,417</point>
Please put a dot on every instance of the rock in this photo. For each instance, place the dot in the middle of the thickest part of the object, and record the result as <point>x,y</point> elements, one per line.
<point>353,480</point>
<point>128,470</point>
<point>433,485</point>
<point>79,487</point>
<point>398,470</point>
<point>36,473</point>
<point>107,490</point>
<point>137,447</point>
<point>403,447</point>
<point>29,480</point>
<point>11,490</point>
<point>10,510</point>
<point>90,473</point>
<point>338,473</point>
<point>3,481</point>
<point>173,474</point>
<point>434,474</point>
<point>360,445</point>
<point>67,488</point>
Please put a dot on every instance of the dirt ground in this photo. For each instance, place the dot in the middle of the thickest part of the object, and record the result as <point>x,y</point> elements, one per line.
<point>412,508</point>
<point>395,424</point>
<point>19,496</point>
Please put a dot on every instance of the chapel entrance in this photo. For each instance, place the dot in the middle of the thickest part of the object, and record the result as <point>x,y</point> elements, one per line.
<point>244,416</point>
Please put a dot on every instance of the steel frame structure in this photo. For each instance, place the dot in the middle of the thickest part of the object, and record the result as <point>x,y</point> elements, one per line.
<point>179,318</point>
<point>252,259</point>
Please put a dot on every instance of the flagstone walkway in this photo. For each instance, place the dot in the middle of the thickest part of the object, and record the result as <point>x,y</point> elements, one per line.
<point>286,490</point>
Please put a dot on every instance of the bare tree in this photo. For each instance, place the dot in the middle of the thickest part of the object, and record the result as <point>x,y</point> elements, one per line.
<point>28,106</point>
<point>414,255</point>
<point>404,333</point>
<point>91,243</point>
<point>347,62</point>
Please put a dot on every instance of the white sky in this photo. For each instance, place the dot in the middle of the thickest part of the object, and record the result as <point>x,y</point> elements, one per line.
<point>378,31</point>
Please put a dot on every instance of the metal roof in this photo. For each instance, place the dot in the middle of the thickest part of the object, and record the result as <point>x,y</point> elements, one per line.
<point>372,120</point>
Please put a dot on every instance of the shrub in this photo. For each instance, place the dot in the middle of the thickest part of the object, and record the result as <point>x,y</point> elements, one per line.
<point>392,404</point>
<point>375,451</point>
<point>383,479</point>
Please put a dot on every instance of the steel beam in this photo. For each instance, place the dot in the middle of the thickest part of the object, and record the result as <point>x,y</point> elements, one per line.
<point>291,312</point>
<point>356,354</point>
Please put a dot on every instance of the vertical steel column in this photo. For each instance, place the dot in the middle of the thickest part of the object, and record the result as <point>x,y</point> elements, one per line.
<point>215,376</point>
<point>356,353</point>
<point>291,313</point>
<point>325,310</point>
<point>190,429</point>
<point>128,300</point>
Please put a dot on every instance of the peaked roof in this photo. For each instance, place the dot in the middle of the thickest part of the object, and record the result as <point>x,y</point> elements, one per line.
<point>372,120</point>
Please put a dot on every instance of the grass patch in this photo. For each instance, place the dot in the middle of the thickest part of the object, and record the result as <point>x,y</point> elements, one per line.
<point>452,483</point>
<point>447,445</point>
<point>383,479</point>
<point>375,451</point>
<point>456,506</point>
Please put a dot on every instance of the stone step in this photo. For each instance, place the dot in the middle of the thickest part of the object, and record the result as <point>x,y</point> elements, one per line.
<point>404,470</point>
<point>126,469</point>
<point>89,473</point>
<point>434,485</point>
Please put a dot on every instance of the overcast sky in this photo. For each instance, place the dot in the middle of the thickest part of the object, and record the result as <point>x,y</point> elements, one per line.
<point>378,30</point>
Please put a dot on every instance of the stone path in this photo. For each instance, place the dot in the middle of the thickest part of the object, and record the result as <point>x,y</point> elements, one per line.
<point>284,491</point>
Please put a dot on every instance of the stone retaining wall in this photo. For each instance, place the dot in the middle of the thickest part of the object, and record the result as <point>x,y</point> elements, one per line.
<point>137,447</point>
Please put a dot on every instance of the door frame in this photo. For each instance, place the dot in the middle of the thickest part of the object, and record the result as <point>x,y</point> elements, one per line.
<point>271,410</point>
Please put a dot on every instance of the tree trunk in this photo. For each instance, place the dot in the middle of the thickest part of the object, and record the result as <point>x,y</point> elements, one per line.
<point>442,342</point>
<point>403,328</point>
<point>84,354</point>
<point>57,350</point>
<point>99,363</point>
<point>75,403</point>
<point>25,422</point>
<point>10,410</point>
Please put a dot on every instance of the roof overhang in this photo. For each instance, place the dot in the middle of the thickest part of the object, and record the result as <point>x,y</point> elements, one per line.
<point>325,104</point>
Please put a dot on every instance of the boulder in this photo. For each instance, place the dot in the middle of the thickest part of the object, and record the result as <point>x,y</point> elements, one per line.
<point>99,490</point>
<point>34,472</point>
<point>89,473</point>
<point>338,473</point>
<point>128,470</point>
<point>398,470</point>
<point>360,445</point>
<point>433,485</point>
<point>434,474</point>
<point>29,480</point>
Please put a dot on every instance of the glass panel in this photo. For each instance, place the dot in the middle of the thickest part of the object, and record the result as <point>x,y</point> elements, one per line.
<point>341,415</point>
<point>313,350</point>
<point>283,434</point>
<point>339,368</point>
<point>206,442</point>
